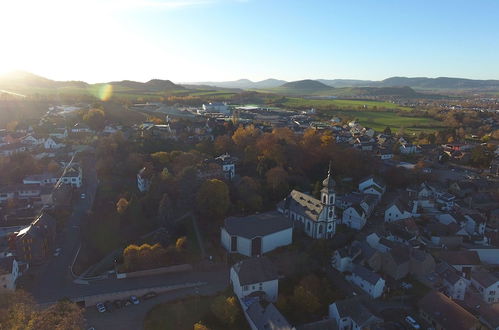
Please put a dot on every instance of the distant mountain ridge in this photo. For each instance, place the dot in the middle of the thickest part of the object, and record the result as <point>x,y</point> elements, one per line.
<point>307,84</point>
<point>242,83</point>
<point>20,80</point>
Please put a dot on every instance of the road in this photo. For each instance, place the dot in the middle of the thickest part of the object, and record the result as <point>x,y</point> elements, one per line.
<point>53,279</point>
<point>132,317</point>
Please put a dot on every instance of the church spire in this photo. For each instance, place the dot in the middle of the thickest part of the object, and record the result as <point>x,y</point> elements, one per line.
<point>329,181</point>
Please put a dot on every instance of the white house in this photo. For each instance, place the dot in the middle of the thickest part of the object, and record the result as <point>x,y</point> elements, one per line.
<point>341,259</point>
<point>487,284</point>
<point>372,185</point>
<point>255,276</point>
<point>51,143</point>
<point>408,148</point>
<point>81,128</point>
<point>352,314</point>
<point>317,218</point>
<point>257,234</point>
<point>367,280</point>
<point>228,165</point>
<point>454,285</point>
<point>445,201</point>
<point>354,217</point>
<point>144,179</point>
<point>9,272</point>
<point>265,316</point>
<point>475,224</point>
<point>73,176</point>
<point>398,211</point>
<point>41,179</point>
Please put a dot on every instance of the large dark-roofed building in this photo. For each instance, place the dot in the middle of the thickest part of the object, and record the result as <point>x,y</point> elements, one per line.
<point>256,234</point>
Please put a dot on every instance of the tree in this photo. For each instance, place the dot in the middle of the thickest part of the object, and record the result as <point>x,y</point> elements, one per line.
<point>213,199</point>
<point>245,136</point>
<point>387,130</point>
<point>63,315</point>
<point>95,119</point>
<point>180,243</point>
<point>305,301</point>
<point>225,309</point>
<point>223,144</point>
<point>249,195</point>
<point>200,326</point>
<point>277,180</point>
<point>16,310</point>
<point>121,205</point>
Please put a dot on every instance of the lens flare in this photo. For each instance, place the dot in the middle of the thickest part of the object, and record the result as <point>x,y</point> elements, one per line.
<point>105,92</point>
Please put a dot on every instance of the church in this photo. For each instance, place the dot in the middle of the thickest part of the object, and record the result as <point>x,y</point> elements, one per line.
<point>317,218</point>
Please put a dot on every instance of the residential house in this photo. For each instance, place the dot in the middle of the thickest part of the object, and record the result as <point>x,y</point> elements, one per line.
<point>475,224</point>
<point>9,272</point>
<point>252,276</point>
<point>445,201</point>
<point>13,148</point>
<point>463,261</point>
<point>487,284</point>
<point>59,133</point>
<point>33,244</point>
<point>316,217</point>
<point>352,314</point>
<point>144,179</point>
<point>81,128</point>
<point>408,148</point>
<point>443,313</point>
<point>354,217</point>
<point>264,316</point>
<point>41,179</point>
<point>372,185</point>
<point>52,143</point>
<point>398,210</point>
<point>341,259</point>
<point>454,285</point>
<point>370,282</point>
<point>228,165</point>
<point>72,176</point>
<point>384,154</point>
<point>257,234</point>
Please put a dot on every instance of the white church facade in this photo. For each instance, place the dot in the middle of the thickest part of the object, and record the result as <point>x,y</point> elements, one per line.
<point>317,218</point>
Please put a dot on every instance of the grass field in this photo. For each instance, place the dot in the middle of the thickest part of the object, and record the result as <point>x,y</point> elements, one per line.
<point>378,120</point>
<point>343,104</point>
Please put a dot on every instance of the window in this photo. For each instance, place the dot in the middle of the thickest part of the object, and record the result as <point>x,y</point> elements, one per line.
<point>492,293</point>
<point>245,288</point>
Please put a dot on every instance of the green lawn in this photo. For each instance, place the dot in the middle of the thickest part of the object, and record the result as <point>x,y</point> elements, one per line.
<point>378,120</point>
<point>183,314</point>
<point>294,102</point>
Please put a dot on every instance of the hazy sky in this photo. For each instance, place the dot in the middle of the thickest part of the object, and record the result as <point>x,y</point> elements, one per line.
<point>200,40</point>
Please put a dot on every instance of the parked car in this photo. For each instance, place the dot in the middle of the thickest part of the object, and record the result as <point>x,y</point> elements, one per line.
<point>100,307</point>
<point>149,295</point>
<point>82,196</point>
<point>134,300</point>
<point>412,322</point>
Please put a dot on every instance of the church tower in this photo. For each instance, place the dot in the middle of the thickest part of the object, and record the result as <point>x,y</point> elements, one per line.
<point>328,200</point>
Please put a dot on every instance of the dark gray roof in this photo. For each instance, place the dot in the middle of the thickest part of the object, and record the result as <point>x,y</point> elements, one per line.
<point>446,312</point>
<point>460,257</point>
<point>257,225</point>
<point>485,278</point>
<point>328,324</point>
<point>354,309</point>
<point>255,270</point>
<point>268,317</point>
<point>450,276</point>
<point>366,274</point>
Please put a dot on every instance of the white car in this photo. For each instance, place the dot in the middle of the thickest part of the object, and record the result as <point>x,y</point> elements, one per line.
<point>100,307</point>
<point>412,322</point>
<point>82,196</point>
<point>134,300</point>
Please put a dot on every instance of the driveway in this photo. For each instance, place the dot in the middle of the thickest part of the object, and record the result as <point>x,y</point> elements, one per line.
<point>132,317</point>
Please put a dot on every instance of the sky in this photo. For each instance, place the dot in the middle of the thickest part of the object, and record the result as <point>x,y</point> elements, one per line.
<point>218,40</point>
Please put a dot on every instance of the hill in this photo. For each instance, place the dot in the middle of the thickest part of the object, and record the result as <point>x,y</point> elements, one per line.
<point>241,84</point>
<point>154,85</point>
<point>440,83</point>
<point>307,84</point>
<point>22,81</point>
